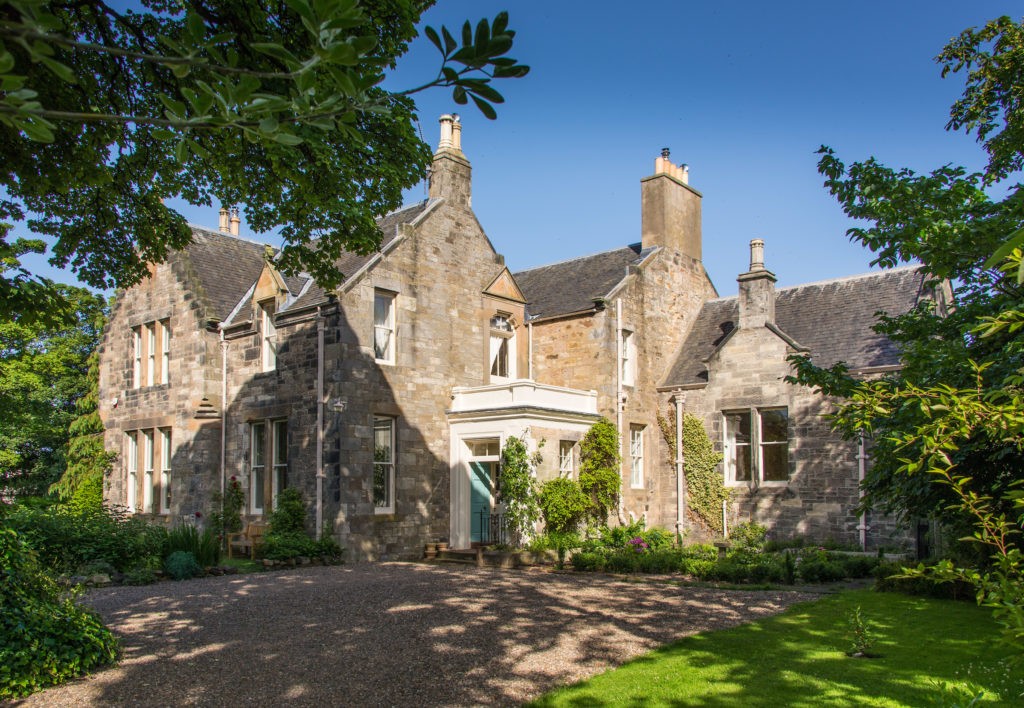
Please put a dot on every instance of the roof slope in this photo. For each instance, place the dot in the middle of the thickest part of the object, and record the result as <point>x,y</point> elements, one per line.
<point>832,318</point>
<point>226,267</point>
<point>350,263</point>
<point>572,286</point>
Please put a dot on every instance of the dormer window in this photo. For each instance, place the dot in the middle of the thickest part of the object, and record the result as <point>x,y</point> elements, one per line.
<point>268,335</point>
<point>503,348</point>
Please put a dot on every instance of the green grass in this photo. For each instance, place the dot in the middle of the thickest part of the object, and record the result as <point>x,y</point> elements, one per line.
<point>799,658</point>
<point>244,565</point>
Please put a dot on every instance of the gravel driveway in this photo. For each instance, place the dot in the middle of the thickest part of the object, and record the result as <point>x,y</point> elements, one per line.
<point>387,634</point>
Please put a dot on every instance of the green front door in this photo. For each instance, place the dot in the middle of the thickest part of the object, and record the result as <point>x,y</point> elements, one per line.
<point>481,480</point>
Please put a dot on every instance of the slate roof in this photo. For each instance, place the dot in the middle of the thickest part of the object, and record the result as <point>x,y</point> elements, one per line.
<point>832,318</point>
<point>350,263</point>
<point>226,267</point>
<point>571,286</point>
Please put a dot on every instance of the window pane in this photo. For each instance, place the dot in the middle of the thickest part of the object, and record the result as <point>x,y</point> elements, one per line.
<point>280,442</point>
<point>259,444</point>
<point>775,462</point>
<point>737,427</point>
<point>383,458</point>
<point>774,425</point>
<point>741,463</point>
<point>499,356</point>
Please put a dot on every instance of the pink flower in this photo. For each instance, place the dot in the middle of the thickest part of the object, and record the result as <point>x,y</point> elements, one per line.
<point>198,515</point>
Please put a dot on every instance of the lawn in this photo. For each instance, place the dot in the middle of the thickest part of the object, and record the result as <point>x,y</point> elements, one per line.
<point>928,652</point>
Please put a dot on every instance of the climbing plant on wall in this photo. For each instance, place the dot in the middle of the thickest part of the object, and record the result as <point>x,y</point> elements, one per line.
<point>599,468</point>
<point>705,486</point>
<point>517,489</point>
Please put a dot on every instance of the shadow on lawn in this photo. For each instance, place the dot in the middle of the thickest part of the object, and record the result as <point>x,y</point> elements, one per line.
<point>387,634</point>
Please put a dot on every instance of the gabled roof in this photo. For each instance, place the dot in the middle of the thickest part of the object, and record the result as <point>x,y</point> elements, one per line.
<point>226,267</point>
<point>831,318</point>
<point>572,286</point>
<point>351,263</point>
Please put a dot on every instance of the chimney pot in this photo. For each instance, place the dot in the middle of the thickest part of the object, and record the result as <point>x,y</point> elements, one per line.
<point>223,227</point>
<point>665,153</point>
<point>756,254</point>
<point>445,143</point>
<point>235,222</point>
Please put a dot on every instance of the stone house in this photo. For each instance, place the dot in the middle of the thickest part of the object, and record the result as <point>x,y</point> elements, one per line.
<point>386,402</point>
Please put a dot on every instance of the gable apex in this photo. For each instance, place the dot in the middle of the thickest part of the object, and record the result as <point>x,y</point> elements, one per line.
<point>505,287</point>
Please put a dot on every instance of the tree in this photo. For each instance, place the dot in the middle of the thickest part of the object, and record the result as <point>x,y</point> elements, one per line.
<point>949,427</point>
<point>274,105</point>
<point>43,376</point>
<point>87,460</point>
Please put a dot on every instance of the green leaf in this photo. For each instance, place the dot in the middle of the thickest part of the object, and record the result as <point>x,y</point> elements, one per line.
<point>163,134</point>
<point>38,130</point>
<point>483,35</point>
<point>181,151</point>
<point>432,36</point>
<point>62,71</point>
<point>449,41</point>
<point>459,95</point>
<point>485,108</point>
<point>487,92</point>
<point>287,138</point>
<point>278,52</point>
<point>467,34</point>
<point>176,108</point>
<point>269,125</point>
<point>1015,240</point>
<point>180,71</point>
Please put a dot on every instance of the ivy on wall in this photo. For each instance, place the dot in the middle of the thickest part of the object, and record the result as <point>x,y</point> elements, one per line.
<point>705,486</point>
<point>599,469</point>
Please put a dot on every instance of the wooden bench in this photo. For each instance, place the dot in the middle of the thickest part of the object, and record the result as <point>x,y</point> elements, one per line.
<point>251,538</point>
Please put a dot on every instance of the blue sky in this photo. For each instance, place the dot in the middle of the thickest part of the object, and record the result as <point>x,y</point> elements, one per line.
<point>743,92</point>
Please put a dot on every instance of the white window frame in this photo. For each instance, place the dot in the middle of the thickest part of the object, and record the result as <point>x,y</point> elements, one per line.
<point>137,357</point>
<point>131,469</point>
<point>279,459</point>
<point>567,458</point>
<point>257,466</point>
<point>386,424</point>
<point>147,472</point>
<point>636,456</point>
<point>502,348</point>
<point>628,358</point>
<point>165,351</point>
<point>165,470</point>
<point>755,448</point>
<point>384,339</point>
<point>150,353</point>
<point>268,335</point>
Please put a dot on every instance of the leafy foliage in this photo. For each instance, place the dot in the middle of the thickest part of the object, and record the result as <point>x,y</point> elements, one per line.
<point>517,489</point>
<point>599,468</point>
<point>45,637</point>
<point>182,565</point>
<point>287,538</point>
<point>88,462</point>
<point>563,505</point>
<point>203,545</point>
<point>66,540</point>
<point>43,380</point>
<point>276,105</point>
<point>705,486</point>
<point>227,514</point>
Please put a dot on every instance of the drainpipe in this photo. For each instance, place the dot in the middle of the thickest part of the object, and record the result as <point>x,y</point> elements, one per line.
<point>223,409</point>
<point>619,393</point>
<point>680,400</point>
<point>319,424</point>
<point>862,458</point>
<point>529,353</point>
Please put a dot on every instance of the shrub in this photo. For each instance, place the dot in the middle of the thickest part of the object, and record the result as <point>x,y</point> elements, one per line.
<point>748,536</point>
<point>290,514</point>
<point>599,468</point>
<point>140,576</point>
<point>182,565</point>
<point>66,540</point>
<point>204,546</point>
<point>563,505</point>
<point>227,509</point>
<point>517,489</point>
<point>45,638</point>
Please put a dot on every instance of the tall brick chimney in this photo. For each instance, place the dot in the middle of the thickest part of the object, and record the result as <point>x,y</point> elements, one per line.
<point>757,290</point>
<point>670,208</point>
<point>450,172</point>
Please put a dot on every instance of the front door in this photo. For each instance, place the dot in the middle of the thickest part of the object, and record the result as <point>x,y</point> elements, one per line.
<point>481,499</point>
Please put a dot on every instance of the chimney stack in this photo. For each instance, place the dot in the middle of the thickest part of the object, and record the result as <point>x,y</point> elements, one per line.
<point>450,172</point>
<point>223,220</point>
<point>670,209</point>
<point>757,290</point>
<point>235,221</point>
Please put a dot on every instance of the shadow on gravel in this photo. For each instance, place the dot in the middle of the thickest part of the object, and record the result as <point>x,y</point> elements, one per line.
<point>388,634</point>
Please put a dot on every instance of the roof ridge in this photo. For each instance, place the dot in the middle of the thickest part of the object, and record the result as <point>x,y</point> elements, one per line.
<point>858,276</point>
<point>212,232</point>
<point>580,258</point>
